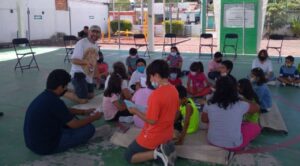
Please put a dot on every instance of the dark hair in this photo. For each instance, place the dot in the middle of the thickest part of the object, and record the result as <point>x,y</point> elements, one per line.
<point>114,85</point>
<point>101,57</point>
<point>228,64</point>
<point>140,60</point>
<point>290,58</point>
<point>175,48</point>
<point>119,68</point>
<point>197,66</point>
<point>159,67</point>
<point>148,82</point>
<point>263,51</point>
<point>260,75</point>
<point>218,55</point>
<point>58,77</point>
<point>226,92</point>
<point>181,91</point>
<point>85,27</point>
<point>132,51</point>
<point>246,90</point>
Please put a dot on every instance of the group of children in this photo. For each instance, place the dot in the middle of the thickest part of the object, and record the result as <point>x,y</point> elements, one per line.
<point>133,84</point>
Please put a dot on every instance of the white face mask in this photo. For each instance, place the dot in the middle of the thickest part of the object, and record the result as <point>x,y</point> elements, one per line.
<point>252,79</point>
<point>193,73</point>
<point>173,53</point>
<point>223,74</point>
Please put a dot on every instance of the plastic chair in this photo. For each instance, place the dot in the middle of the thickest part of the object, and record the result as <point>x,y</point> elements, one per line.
<point>140,41</point>
<point>206,40</point>
<point>275,42</point>
<point>171,38</point>
<point>22,52</point>
<point>69,42</point>
<point>231,41</point>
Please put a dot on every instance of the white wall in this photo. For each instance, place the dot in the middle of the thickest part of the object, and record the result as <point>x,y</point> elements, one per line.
<point>8,21</point>
<point>52,21</point>
<point>82,13</point>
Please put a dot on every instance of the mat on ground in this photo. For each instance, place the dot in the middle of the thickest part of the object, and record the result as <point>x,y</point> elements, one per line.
<point>273,120</point>
<point>195,146</point>
<point>93,103</point>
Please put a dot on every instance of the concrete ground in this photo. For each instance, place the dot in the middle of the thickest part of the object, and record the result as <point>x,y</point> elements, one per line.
<point>18,90</point>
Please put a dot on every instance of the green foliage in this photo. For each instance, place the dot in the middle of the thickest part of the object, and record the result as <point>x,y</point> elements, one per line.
<point>177,27</point>
<point>276,15</point>
<point>295,27</point>
<point>124,25</point>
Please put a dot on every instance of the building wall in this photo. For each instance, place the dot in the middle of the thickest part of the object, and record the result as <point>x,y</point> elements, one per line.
<point>45,20</point>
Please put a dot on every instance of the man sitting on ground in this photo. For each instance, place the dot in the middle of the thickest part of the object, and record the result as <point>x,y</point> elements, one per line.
<point>83,83</point>
<point>83,33</point>
<point>51,127</point>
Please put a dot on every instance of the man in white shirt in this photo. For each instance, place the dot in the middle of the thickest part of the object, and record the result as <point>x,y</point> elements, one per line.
<point>262,61</point>
<point>83,84</point>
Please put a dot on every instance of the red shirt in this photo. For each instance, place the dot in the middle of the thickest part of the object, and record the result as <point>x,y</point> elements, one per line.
<point>176,82</point>
<point>102,68</point>
<point>163,104</point>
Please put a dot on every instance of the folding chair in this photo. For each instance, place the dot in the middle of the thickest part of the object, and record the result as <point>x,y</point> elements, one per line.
<point>171,37</point>
<point>231,41</point>
<point>278,47</point>
<point>206,40</point>
<point>140,41</point>
<point>69,42</point>
<point>23,52</point>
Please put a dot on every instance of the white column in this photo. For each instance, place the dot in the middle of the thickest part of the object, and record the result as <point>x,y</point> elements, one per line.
<point>150,25</point>
<point>262,8</point>
<point>22,17</point>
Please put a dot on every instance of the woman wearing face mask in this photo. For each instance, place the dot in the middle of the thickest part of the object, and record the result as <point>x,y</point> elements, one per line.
<point>174,59</point>
<point>214,65</point>
<point>134,83</point>
<point>262,61</point>
<point>197,84</point>
<point>174,77</point>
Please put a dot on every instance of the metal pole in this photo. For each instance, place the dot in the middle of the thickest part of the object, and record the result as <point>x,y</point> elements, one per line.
<point>142,12</point>
<point>28,22</point>
<point>244,25</point>
<point>113,3</point>
<point>203,14</point>
<point>70,21</point>
<point>164,17</point>
<point>119,26</point>
<point>170,17</point>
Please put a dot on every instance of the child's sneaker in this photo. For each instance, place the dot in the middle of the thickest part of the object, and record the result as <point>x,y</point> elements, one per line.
<point>283,84</point>
<point>166,152</point>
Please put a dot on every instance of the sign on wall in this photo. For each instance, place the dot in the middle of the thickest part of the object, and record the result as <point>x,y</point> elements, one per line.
<point>37,17</point>
<point>234,15</point>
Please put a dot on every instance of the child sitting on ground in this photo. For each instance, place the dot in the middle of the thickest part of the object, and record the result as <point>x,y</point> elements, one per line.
<point>174,78</point>
<point>260,87</point>
<point>174,59</point>
<point>214,65</point>
<point>134,83</point>
<point>288,74</point>
<point>102,71</point>
<point>189,122</point>
<point>112,105</point>
<point>247,93</point>
<point>131,60</point>
<point>197,84</point>
<point>140,97</point>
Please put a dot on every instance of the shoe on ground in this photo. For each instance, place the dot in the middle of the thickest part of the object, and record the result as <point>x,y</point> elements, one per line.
<point>166,152</point>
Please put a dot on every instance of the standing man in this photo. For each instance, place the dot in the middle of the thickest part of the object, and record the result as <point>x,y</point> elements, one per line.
<point>83,33</point>
<point>83,84</point>
<point>51,127</point>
